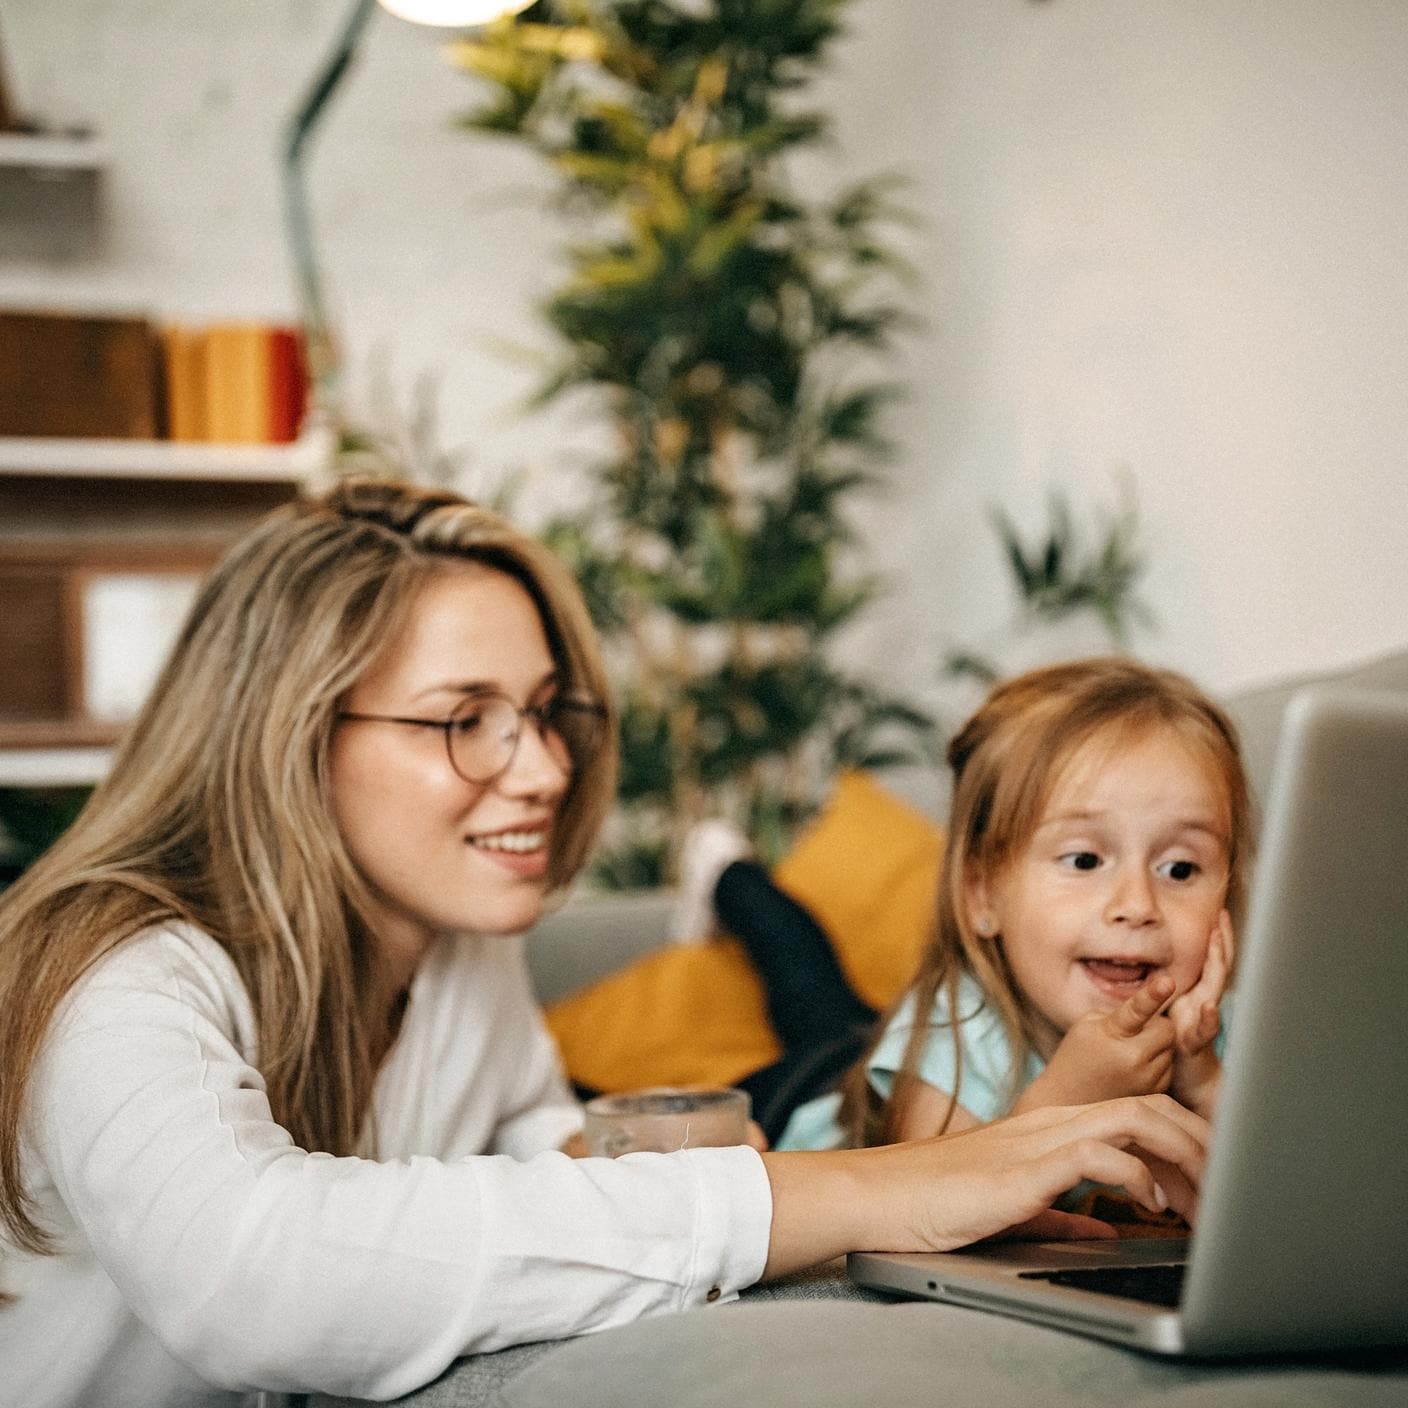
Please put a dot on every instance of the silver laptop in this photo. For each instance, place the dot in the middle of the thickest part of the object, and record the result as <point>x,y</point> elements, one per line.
<point>1302,1235</point>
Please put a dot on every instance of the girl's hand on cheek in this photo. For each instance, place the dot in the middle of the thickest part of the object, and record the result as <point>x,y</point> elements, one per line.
<point>1197,1073</point>
<point>1106,1055</point>
<point>1194,1014</point>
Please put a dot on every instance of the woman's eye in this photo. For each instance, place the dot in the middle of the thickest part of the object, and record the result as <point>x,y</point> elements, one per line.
<point>1080,860</point>
<point>1179,869</point>
<point>469,722</point>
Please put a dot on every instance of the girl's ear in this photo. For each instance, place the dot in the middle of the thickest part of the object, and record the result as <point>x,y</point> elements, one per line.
<point>977,901</point>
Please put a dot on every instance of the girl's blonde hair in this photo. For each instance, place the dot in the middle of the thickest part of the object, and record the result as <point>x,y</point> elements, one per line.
<point>1005,761</point>
<point>217,807</point>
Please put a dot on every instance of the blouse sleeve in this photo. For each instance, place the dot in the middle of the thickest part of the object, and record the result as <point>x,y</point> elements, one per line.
<point>258,1264</point>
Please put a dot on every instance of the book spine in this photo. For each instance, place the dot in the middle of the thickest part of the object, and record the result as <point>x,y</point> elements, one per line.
<point>288,384</point>
<point>237,383</point>
<point>73,375</point>
<point>184,350</point>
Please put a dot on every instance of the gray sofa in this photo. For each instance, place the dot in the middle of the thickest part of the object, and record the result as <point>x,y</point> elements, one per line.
<point>595,934</point>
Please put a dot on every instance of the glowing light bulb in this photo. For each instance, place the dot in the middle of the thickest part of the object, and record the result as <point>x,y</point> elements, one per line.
<point>456,14</point>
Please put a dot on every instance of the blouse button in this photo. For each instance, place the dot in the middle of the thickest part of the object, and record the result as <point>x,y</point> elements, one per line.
<point>714,1294</point>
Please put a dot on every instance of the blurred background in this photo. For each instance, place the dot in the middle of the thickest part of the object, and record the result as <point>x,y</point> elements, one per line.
<point>1158,292</point>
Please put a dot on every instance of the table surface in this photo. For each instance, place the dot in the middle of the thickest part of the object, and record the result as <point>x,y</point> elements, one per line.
<point>815,1340</point>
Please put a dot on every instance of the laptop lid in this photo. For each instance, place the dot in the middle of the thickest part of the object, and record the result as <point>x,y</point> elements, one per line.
<point>1302,1237</point>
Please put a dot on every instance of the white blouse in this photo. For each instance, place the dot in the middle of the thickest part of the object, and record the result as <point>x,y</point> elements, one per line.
<point>202,1256</point>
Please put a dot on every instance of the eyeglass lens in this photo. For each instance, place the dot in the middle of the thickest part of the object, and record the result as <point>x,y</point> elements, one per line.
<point>484,732</point>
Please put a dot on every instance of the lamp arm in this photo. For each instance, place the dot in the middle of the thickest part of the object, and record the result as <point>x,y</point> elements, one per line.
<point>322,355</point>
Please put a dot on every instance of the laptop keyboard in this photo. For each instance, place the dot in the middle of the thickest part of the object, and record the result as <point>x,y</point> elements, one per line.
<point>1156,1285</point>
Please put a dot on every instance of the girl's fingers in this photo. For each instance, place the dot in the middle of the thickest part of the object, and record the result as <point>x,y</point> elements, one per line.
<point>1212,1021</point>
<point>1197,1027</point>
<point>1132,1015</point>
<point>1217,967</point>
<point>1222,948</point>
<point>1189,1010</point>
<point>1229,943</point>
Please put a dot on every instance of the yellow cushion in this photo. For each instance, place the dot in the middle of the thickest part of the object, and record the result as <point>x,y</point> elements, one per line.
<point>867,867</point>
<point>690,1014</point>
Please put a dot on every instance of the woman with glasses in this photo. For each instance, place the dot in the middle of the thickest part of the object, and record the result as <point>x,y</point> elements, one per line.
<point>277,1109</point>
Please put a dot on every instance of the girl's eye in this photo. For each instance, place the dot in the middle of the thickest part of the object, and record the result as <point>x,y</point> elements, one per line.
<point>1179,869</point>
<point>1080,860</point>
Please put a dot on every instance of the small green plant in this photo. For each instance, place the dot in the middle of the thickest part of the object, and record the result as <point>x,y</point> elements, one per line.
<point>1066,572</point>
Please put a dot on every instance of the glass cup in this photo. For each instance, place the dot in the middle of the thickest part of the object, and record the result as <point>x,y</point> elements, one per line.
<point>666,1118</point>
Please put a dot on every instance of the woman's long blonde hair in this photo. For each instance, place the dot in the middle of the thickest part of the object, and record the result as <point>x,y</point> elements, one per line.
<point>1005,761</point>
<point>217,808</point>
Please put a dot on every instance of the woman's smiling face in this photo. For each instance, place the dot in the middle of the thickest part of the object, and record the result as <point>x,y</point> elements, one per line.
<point>440,853</point>
<point>1124,877</point>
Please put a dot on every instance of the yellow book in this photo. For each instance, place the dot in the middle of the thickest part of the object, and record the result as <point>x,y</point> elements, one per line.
<point>237,379</point>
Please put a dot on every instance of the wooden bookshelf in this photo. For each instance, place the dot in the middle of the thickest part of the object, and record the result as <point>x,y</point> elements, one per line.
<point>52,154</point>
<point>51,196</point>
<point>51,456</point>
<point>76,512</point>
<point>48,767</point>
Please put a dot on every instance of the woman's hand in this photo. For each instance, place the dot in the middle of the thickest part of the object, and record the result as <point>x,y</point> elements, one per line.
<point>938,1194</point>
<point>1197,1073</point>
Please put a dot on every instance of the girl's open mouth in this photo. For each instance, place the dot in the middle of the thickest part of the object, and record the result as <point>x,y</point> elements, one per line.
<point>1117,976</point>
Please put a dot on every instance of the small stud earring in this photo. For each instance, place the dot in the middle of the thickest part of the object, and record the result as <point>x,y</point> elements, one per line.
<point>986,928</point>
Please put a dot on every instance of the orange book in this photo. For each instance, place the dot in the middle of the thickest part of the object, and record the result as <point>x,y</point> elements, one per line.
<point>183,350</point>
<point>237,383</point>
<point>288,384</point>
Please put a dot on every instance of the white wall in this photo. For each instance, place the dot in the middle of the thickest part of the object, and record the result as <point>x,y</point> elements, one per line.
<point>1170,238</point>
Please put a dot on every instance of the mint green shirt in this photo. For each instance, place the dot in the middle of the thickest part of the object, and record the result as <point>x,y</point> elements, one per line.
<point>983,1089</point>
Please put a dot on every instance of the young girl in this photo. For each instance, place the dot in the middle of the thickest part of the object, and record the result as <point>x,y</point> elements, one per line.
<point>277,1110</point>
<point>1093,870</point>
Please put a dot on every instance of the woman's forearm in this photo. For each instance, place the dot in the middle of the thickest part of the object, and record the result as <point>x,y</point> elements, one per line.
<point>817,1208</point>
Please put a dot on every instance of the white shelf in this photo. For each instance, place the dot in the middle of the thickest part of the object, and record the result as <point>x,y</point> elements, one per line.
<point>165,459</point>
<point>43,152</point>
<point>53,767</point>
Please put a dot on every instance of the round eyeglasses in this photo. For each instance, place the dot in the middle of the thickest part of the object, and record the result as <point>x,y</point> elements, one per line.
<point>481,736</point>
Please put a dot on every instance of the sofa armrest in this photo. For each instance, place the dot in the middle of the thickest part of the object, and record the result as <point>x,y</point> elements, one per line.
<point>592,935</point>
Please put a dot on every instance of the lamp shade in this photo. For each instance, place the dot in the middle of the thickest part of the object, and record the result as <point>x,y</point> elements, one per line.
<point>457,14</point>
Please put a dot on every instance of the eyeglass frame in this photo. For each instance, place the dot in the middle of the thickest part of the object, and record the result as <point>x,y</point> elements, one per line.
<point>538,713</point>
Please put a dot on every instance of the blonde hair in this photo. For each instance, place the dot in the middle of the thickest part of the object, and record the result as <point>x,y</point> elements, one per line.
<point>1005,761</point>
<point>216,810</point>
